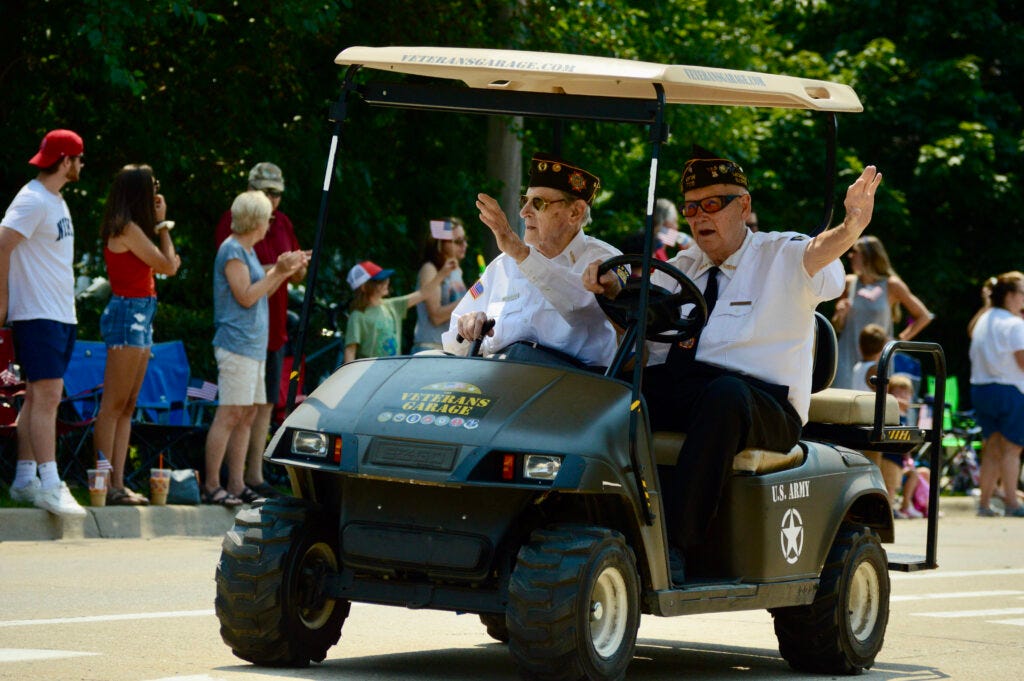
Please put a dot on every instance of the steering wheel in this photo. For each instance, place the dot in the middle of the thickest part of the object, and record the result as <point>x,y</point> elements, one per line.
<point>665,323</point>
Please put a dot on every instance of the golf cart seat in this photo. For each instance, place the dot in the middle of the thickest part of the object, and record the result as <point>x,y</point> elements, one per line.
<point>833,406</point>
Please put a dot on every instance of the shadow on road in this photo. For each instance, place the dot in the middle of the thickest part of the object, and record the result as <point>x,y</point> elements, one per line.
<point>655,660</point>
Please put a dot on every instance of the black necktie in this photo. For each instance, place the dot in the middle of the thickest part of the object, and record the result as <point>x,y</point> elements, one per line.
<point>711,289</point>
<point>679,355</point>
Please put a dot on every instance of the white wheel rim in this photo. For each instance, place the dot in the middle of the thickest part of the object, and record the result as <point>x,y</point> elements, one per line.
<point>863,603</point>
<point>316,615</point>
<point>609,612</point>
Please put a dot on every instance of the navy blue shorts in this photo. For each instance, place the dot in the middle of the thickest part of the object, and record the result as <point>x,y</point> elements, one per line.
<point>999,408</point>
<point>43,348</point>
<point>128,322</point>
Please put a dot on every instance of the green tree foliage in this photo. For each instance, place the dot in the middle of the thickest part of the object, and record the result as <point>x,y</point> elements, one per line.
<point>202,90</point>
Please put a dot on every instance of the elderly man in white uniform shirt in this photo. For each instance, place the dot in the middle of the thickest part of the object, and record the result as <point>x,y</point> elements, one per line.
<point>533,291</point>
<point>747,381</point>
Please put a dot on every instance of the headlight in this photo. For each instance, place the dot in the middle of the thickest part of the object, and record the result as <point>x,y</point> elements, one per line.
<point>309,443</point>
<point>541,466</point>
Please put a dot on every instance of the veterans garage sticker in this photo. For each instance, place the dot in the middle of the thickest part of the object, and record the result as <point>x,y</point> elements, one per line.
<point>450,398</point>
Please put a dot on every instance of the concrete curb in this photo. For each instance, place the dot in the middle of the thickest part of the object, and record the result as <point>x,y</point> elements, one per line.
<point>116,522</point>
<point>145,522</point>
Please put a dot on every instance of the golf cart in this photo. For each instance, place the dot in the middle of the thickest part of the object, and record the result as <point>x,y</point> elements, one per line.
<point>529,494</point>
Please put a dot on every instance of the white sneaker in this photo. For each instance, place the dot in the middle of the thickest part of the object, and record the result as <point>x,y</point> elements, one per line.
<point>27,493</point>
<point>59,500</point>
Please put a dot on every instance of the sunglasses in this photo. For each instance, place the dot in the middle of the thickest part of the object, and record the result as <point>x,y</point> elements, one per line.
<point>540,205</point>
<point>709,204</point>
<point>273,193</point>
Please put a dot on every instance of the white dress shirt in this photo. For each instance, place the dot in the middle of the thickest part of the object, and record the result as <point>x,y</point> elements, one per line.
<point>763,323</point>
<point>541,300</point>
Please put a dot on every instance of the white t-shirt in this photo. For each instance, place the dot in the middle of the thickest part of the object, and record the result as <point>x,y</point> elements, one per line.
<point>41,280</point>
<point>998,333</point>
<point>541,300</point>
<point>763,322</point>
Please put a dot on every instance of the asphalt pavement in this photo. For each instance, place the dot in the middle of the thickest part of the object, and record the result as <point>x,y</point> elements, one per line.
<point>145,522</point>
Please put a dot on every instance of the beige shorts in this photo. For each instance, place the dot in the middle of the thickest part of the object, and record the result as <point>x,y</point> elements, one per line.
<point>239,379</point>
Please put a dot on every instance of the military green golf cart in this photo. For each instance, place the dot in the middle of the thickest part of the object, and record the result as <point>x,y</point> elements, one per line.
<point>529,494</point>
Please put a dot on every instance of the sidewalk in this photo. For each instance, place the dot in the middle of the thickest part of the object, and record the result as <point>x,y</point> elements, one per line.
<point>121,522</point>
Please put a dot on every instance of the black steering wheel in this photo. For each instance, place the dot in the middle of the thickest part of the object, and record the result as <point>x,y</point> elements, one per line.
<point>665,323</point>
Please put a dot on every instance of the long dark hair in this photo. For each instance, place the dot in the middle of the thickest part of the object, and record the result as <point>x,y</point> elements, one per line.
<point>131,199</point>
<point>431,250</point>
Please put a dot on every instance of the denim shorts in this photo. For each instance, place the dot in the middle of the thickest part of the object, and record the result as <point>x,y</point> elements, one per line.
<point>128,322</point>
<point>999,408</point>
<point>43,347</point>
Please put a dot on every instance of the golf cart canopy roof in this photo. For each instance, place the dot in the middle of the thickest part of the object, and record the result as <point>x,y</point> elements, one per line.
<point>548,72</point>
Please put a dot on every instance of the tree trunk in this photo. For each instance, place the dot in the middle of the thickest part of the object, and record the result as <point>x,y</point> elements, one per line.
<point>505,164</point>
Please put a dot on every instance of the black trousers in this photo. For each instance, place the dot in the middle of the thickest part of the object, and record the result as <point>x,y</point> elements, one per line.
<point>722,413</point>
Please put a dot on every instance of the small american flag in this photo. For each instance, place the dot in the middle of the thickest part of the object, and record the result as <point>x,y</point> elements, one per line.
<point>102,464</point>
<point>202,391</point>
<point>477,289</point>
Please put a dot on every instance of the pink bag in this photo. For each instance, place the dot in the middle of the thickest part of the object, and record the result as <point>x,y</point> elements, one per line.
<point>921,496</point>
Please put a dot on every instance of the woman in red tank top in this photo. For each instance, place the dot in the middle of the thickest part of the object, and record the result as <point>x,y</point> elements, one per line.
<point>136,243</point>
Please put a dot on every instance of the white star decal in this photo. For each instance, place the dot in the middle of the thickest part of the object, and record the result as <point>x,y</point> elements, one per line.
<point>792,536</point>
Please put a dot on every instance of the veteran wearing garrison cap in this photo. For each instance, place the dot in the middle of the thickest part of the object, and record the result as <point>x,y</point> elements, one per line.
<point>533,291</point>
<point>746,381</point>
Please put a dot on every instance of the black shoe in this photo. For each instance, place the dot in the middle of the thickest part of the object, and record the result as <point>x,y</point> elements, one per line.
<point>676,566</point>
<point>266,490</point>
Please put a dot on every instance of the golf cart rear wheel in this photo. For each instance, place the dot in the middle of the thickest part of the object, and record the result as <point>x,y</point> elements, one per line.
<point>271,578</point>
<point>496,626</point>
<point>841,632</point>
<point>574,605</point>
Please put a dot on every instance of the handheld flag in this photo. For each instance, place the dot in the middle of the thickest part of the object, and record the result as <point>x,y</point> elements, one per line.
<point>441,229</point>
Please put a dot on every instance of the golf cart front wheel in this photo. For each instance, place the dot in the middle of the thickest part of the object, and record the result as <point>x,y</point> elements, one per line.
<point>574,605</point>
<point>842,631</point>
<point>271,579</point>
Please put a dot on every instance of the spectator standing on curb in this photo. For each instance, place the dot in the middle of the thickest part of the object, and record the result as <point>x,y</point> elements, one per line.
<point>135,216</point>
<point>374,326</point>
<point>37,296</point>
<point>268,178</point>
<point>874,294</point>
<point>997,390</point>
<point>446,239</point>
<point>241,317</point>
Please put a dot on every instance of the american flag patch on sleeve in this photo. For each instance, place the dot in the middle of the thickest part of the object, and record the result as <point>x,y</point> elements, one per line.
<point>477,289</point>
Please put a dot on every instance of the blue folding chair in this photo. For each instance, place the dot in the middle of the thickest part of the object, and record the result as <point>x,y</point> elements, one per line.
<point>83,387</point>
<point>167,421</point>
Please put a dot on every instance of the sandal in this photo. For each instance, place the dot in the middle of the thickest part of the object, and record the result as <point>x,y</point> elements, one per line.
<point>121,496</point>
<point>221,497</point>
<point>250,496</point>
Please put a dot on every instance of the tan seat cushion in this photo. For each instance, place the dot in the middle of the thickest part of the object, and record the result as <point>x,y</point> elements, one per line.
<point>667,445</point>
<point>850,407</point>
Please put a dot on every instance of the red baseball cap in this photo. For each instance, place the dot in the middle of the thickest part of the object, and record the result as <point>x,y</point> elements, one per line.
<point>56,145</point>
<point>366,271</point>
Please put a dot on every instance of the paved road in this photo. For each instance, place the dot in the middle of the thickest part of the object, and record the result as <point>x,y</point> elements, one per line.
<point>141,610</point>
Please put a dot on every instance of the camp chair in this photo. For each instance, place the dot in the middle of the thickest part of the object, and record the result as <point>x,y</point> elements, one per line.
<point>169,425</point>
<point>12,390</point>
<point>83,387</point>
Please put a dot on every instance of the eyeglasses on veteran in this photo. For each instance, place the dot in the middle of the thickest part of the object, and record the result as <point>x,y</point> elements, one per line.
<point>540,205</point>
<point>709,204</point>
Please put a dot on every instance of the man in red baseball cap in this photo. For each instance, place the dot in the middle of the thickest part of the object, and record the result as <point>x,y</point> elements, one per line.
<point>37,296</point>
